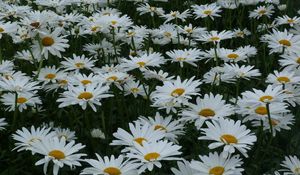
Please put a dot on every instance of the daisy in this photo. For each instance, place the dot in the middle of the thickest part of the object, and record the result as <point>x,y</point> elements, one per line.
<point>114,77</point>
<point>171,127</point>
<point>59,152</point>
<point>216,75</point>
<point>51,42</point>
<point>48,74</point>
<point>176,91</point>
<point>215,37</point>
<point>97,133</point>
<point>230,134</point>
<point>258,97</point>
<point>287,20</point>
<point>77,63</point>
<point>210,107</point>
<point>189,56</point>
<point>229,55</point>
<point>290,61</point>
<point>110,166</point>
<point>3,123</point>
<point>278,124</point>
<point>25,138</point>
<point>139,133</point>
<point>158,75</point>
<point>215,164</point>
<point>176,15</point>
<point>207,10</point>
<point>261,11</point>
<point>143,62</point>
<point>84,95</point>
<point>84,80</point>
<point>282,78</point>
<point>242,72</point>
<point>279,42</point>
<point>291,165</point>
<point>6,66</point>
<point>151,154</point>
<point>241,33</point>
<point>67,134</point>
<point>23,100</point>
<point>183,168</point>
<point>7,28</point>
<point>146,8</point>
<point>135,88</point>
<point>18,82</point>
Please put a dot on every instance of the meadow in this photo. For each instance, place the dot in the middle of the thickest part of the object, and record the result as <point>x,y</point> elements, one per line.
<point>150,87</point>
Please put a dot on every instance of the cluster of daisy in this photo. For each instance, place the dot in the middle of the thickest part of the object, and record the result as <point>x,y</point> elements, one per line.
<point>193,71</point>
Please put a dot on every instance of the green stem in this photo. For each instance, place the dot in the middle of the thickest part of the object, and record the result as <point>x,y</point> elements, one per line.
<point>269,118</point>
<point>15,112</point>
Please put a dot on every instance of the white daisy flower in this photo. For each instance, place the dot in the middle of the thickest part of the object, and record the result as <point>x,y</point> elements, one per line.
<point>151,154</point>
<point>59,152</point>
<point>261,11</point>
<point>189,56</point>
<point>110,166</point>
<point>3,124</point>
<point>215,37</point>
<point>291,165</point>
<point>176,91</point>
<point>207,10</point>
<point>285,19</point>
<point>22,101</point>
<point>65,133</point>
<point>84,95</point>
<point>77,63</point>
<point>171,128</point>
<point>25,138</point>
<point>183,168</point>
<point>282,78</point>
<point>215,164</point>
<point>139,133</point>
<point>230,134</point>
<point>210,107</point>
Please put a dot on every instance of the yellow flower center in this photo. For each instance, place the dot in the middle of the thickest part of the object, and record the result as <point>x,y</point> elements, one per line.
<point>152,8</point>
<point>151,156</point>
<point>283,79</point>
<point>79,65</point>
<point>85,95</point>
<point>215,38</point>
<point>207,12</point>
<point>57,154</point>
<point>50,76</point>
<point>233,56</point>
<point>274,122</point>
<point>141,64</point>
<point>285,42</point>
<point>47,41</point>
<point>177,92</point>
<point>114,22</point>
<point>63,82</point>
<point>261,110</point>
<point>21,100</point>
<point>262,12</point>
<point>290,21</point>
<point>95,28</point>
<point>1,30</point>
<point>189,30</point>
<point>298,60</point>
<point>206,112</point>
<point>180,59</point>
<point>112,171</point>
<point>140,140</point>
<point>35,24</point>
<point>160,127</point>
<point>297,170</point>
<point>228,139</point>
<point>266,98</point>
<point>85,82</point>
<point>168,34</point>
<point>218,170</point>
<point>135,90</point>
<point>112,78</point>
